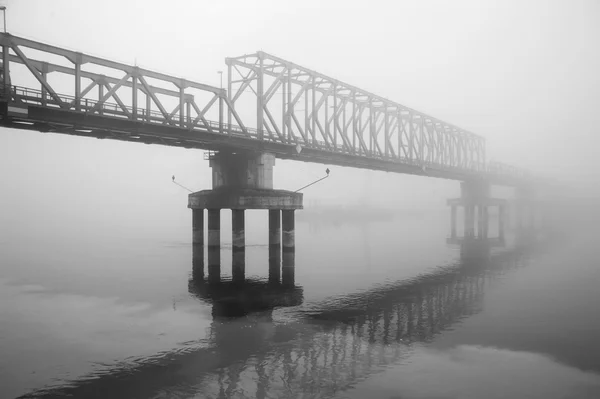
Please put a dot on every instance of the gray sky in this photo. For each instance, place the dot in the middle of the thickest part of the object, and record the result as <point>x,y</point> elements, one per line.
<point>524,74</point>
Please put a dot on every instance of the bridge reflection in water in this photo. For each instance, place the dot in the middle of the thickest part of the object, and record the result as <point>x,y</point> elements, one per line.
<point>315,348</point>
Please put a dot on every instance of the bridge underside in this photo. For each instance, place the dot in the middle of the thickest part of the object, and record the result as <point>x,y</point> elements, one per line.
<point>53,120</point>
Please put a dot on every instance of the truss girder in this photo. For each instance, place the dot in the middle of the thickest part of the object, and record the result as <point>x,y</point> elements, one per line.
<point>320,112</point>
<point>294,106</point>
<point>169,100</point>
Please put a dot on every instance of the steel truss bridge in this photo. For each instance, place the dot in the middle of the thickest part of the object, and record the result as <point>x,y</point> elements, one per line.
<point>300,114</point>
<point>354,337</point>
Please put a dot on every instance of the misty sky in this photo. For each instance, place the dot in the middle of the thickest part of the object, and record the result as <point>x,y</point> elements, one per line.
<point>523,74</point>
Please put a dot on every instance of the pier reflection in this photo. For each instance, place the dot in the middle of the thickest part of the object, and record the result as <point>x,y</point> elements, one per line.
<point>312,348</point>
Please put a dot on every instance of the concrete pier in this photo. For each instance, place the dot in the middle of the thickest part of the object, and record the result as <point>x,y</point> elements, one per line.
<point>238,239</point>
<point>453,221</point>
<point>482,225</point>
<point>475,200</point>
<point>214,264</point>
<point>214,228</point>
<point>238,265</point>
<point>238,245</point>
<point>275,228</point>
<point>274,264</point>
<point>198,243</point>
<point>288,230</point>
<point>469,230</point>
<point>244,180</point>
<point>288,268</point>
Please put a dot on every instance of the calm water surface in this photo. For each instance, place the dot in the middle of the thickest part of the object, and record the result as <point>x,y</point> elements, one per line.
<point>386,309</point>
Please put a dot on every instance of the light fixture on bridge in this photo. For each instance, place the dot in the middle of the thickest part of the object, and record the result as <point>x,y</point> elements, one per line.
<point>298,148</point>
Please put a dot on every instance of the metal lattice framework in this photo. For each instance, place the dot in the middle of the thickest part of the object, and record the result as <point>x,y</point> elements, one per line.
<point>99,86</point>
<point>342,118</point>
<point>300,114</point>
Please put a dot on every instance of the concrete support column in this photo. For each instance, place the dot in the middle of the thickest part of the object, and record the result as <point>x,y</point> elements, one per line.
<point>275,228</point>
<point>214,228</point>
<point>453,221</point>
<point>214,245</point>
<point>501,221</point>
<point>482,225</point>
<point>214,264</point>
<point>274,265</point>
<point>198,244</point>
<point>238,264</point>
<point>274,245</point>
<point>469,220</point>
<point>288,236</point>
<point>238,239</point>
<point>288,269</point>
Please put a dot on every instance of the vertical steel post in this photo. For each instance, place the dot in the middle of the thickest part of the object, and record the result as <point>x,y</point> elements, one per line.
<point>306,127</point>
<point>134,96</point>
<point>221,103</point>
<point>387,133</point>
<point>326,118</point>
<point>314,111</point>
<point>354,122</point>
<point>101,95</point>
<point>181,105</point>
<point>260,98</point>
<point>148,106</point>
<point>188,113</point>
<point>229,95</point>
<point>6,71</point>
<point>78,83</point>
<point>290,106</point>
<point>371,126</point>
<point>44,76</point>
<point>283,107</point>
<point>400,134</point>
<point>335,116</point>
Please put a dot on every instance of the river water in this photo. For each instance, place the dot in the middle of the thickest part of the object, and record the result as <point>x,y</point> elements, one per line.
<point>379,309</point>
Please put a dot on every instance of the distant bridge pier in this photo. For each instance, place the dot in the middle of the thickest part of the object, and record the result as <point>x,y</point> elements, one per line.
<point>244,180</point>
<point>525,208</point>
<point>475,200</point>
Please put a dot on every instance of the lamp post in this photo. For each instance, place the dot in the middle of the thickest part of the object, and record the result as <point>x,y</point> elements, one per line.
<point>221,73</point>
<point>3,9</point>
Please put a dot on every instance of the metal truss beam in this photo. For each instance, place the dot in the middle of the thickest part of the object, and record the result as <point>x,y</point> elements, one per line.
<point>95,96</point>
<point>359,122</point>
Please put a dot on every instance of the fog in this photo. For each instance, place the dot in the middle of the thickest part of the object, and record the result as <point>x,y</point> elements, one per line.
<point>522,74</point>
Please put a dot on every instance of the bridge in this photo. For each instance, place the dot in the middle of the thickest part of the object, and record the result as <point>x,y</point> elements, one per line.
<point>329,348</point>
<point>52,89</point>
<point>298,114</point>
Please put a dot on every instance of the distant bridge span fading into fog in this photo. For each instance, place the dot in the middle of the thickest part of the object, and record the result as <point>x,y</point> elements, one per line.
<point>299,114</point>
